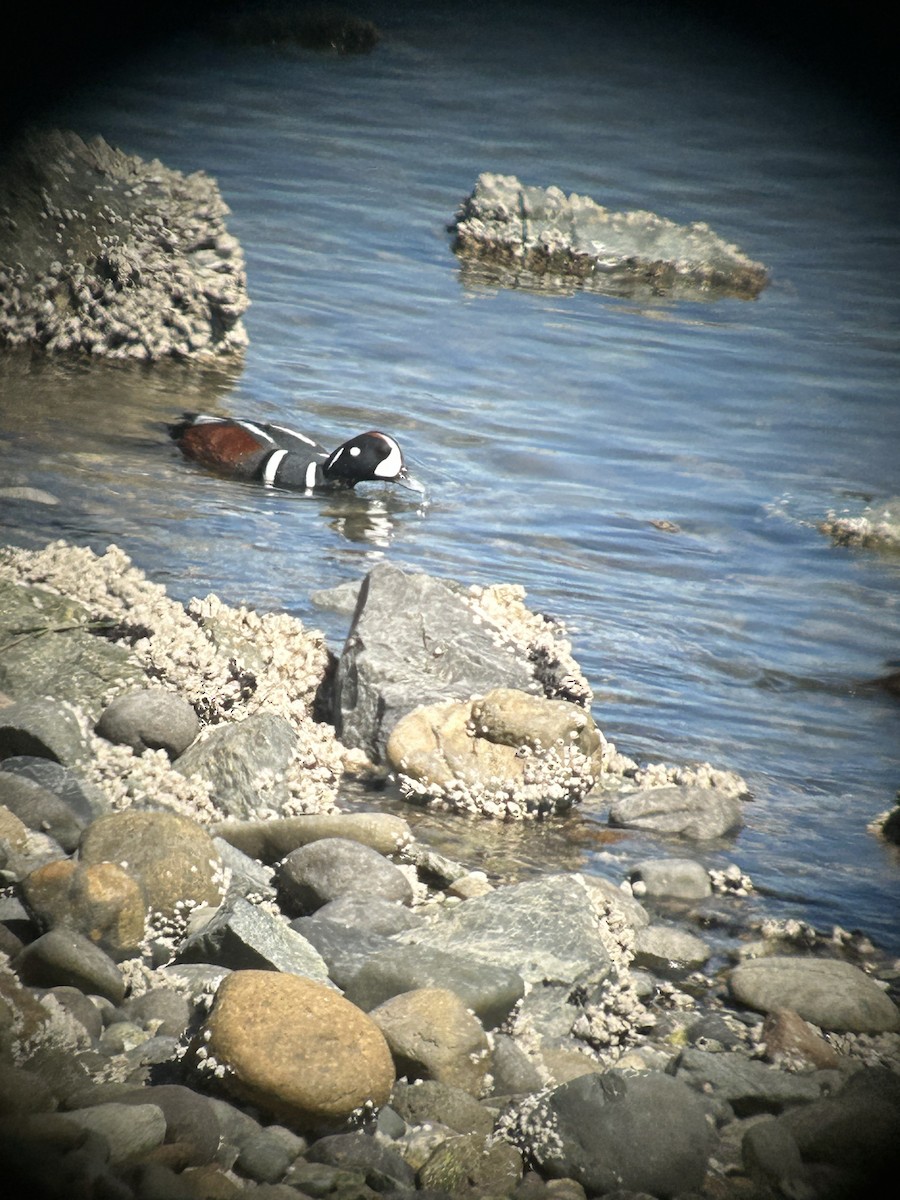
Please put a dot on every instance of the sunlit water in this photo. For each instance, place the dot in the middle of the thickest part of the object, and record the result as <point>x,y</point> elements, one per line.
<point>552,431</point>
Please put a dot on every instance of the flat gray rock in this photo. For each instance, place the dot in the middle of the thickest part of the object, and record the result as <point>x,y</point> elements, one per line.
<point>44,728</point>
<point>491,991</point>
<point>750,1086</point>
<point>831,994</point>
<point>691,812</point>
<point>661,947</point>
<point>547,930</point>
<point>130,1130</point>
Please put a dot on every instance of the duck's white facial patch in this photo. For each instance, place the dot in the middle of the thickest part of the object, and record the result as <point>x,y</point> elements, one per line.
<point>311,475</point>
<point>272,465</point>
<point>391,466</point>
<point>355,451</point>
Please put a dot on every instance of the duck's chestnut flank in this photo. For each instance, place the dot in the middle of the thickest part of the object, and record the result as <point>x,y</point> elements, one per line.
<point>281,457</point>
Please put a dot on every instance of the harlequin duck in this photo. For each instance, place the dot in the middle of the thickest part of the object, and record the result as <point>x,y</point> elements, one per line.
<point>283,458</point>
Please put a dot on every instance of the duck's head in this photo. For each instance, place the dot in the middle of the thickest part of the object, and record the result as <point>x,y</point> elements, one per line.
<point>369,456</point>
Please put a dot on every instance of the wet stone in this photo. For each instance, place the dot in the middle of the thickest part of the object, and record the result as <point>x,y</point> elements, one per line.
<point>699,813</point>
<point>41,810</point>
<point>673,878</point>
<point>99,900</point>
<point>831,994</point>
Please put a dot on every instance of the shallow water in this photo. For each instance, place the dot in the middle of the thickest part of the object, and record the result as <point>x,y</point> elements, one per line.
<point>551,430</point>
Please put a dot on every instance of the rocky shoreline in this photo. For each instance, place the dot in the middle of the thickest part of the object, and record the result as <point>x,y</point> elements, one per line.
<point>215,981</point>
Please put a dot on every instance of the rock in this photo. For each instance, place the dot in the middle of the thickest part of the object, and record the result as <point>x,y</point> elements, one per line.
<point>106,254</point>
<point>468,1165</point>
<point>670,878</point>
<point>831,994</point>
<point>432,1035</point>
<point>416,640</point>
<point>173,857</point>
<point>431,1102</point>
<point>507,753</point>
<point>244,763</point>
<point>41,810</point>
<point>270,840</point>
<point>524,234</point>
<point>161,1009</point>
<point>312,875</point>
<point>345,950</point>
<point>662,947</point>
<point>877,527</point>
<point>546,929</point>
<point>513,1071</point>
<point>64,957</point>
<point>382,1167</point>
<point>49,650</point>
<point>370,913</point>
<point>243,937</point>
<point>793,1043</point>
<point>82,798</point>
<point>771,1156</point>
<point>749,1086</point>
<point>490,990</point>
<point>23,1091</point>
<point>81,1007</point>
<point>99,900</point>
<point>248,877</point>
<point>645,1133</point>
<point>190,1121</point>
<point>130,1130</point>
<point>43,728</point>
<point>691,812</point>
<point>267,1155</point>
<point>150,719</point>
<point>856,1128</point>
<point>295,1049</point>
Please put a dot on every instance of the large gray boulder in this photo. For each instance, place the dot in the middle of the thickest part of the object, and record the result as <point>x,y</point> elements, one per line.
<point>103,252</point>
<point>418,640</point>
<point>523,235</point>
<point>614,1133</point>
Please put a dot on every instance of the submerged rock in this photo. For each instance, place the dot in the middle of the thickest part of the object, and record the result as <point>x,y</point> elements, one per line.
<point>103,252</point>
<point>539,237</point>
<point>876,528</point>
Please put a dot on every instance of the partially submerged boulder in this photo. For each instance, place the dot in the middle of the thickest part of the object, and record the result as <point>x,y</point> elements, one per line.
<point>508,753</point>
<point>539,237</point>
<point>876,528</point>
<point>418,640</point>
<point>104,253</point>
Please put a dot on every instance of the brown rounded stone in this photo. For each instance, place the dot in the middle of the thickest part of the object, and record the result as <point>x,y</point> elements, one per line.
<point>100,900</point>
<point>174,858</point>
<point>296,1049</point>
<point>791,1040</point>
<point>433,1035</point>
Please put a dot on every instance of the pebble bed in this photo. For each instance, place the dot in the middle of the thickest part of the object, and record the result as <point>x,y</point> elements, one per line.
<point>204,996</point>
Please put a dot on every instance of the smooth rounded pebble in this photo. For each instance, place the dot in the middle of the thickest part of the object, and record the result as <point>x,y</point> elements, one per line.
<point>322,871</point>
<point>831,994</point>
<point>100,900</point>
<point>295,1049</point>
<point>150,719</point>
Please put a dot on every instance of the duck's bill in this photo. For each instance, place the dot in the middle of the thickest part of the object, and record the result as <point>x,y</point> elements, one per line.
<point>406,480</point>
